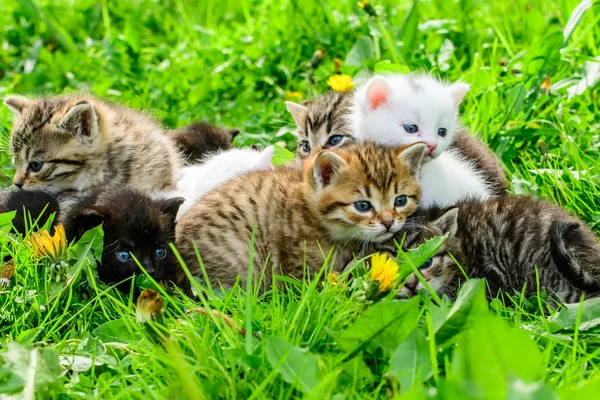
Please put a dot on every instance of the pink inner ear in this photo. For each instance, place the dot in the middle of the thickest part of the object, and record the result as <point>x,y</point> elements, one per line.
<point>377,94</point>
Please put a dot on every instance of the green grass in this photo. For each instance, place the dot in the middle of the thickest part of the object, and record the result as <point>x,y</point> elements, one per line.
<point>234,63</point>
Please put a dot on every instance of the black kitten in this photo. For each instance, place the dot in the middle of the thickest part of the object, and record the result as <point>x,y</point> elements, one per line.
<point>134,224</point>
<point>198,139</point>
<point>30,206</point>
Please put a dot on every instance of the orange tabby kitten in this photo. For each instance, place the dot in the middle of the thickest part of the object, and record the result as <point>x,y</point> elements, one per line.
<point>358,194</point>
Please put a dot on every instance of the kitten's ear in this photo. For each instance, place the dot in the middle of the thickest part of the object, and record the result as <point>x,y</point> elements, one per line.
<point>326,168</point>
<point>296,110</point>
<point>448,223</point>
<point>81,120</point>
<point>458,91</point>
<point>378,93</point>
<point>233,133</point>
<point>83,222</point>
<point>265,161</point>
<point>171,207</point>
<point>16,104</point>
<point>413,156</point>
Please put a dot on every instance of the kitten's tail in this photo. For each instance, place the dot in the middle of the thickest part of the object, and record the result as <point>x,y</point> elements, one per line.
<point>575,255</point>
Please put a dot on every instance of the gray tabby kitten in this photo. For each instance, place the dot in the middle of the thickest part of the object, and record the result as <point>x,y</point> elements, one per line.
<point>504,239</point>
<point>324,124</point>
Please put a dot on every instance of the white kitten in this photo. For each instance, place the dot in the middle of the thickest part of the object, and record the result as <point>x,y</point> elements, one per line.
<point>404,109</point>
<point>217,168</point>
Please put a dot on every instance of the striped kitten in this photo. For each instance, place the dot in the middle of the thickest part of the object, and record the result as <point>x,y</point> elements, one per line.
<point>78,143</point>
<point>323,123</point>
<point>503,240</point>
<point>361,193</point>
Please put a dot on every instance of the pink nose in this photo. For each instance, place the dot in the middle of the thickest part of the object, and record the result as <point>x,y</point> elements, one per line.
<point>431,147</point>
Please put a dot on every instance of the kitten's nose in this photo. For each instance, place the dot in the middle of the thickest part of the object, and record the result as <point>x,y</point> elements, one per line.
<point>431,147</point>
<point>19,184</point>
<point>19,180</point>
<point>387,223</point>
<point>412,283</point>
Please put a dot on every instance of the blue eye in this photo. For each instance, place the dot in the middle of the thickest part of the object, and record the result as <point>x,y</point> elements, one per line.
<point>123,256</point>
<point>362,205</point>
<point>306,146</point>
<point>335,140</point>
<point>410,128</point>
<point>161,252</point>
<point>36,166</point>
<point>442,132</point>
<point>427,264</point>
<point>400,201</point>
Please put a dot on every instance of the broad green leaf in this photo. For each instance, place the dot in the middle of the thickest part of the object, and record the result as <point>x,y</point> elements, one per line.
<point>116,331</point>
<point>281,155</point>
<point>386,67</point>
<point>355,370</point>
<point>297,366</point>
<point>490,355</point>
<point>416,257</point>
<point>29,335</point>
<point>87,250</point>
<point>6,225</point>
<point>410,29</point>
<point>410,363</point>
<point>514,99</point>
<point>10,382</point>
<point>543,57</point>
<point>567,317</point>
<point>361,52</point>
<point>470,304</point>
<point>384,324</point>
<point>37,368</point>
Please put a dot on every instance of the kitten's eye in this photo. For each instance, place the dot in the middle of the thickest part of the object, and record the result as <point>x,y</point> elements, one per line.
<point>442,132</point>
<point>427,264</point>
<point>161,252</point>
<point>362,205</point>
<point>400,201</point>
<point>410,128</point>
<point>123,255</point>
<point>306,146</point>
<point>335,140</point>
<point>35,166</point>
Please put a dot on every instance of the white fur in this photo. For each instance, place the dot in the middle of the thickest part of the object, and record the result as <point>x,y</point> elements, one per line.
<point>385,104</point>
<point>197,180</point>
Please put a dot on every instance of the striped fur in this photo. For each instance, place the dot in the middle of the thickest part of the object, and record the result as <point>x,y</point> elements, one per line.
<point>503,240</point>
<point>300,216</point>
<point>85,143</point>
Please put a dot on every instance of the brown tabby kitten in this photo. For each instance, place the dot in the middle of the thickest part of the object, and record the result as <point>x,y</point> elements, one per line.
<point>504,239</point>
<point>78,143</point>
<point>200,138</point>
<point>323,124</point>
<point>360,193</point>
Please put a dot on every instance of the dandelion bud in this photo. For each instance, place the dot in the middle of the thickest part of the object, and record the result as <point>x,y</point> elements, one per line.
<point>149,306</point>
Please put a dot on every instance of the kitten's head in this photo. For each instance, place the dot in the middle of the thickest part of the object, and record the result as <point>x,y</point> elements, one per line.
<point>364,192</point>
<point>54,139</point>
<point>134,224</point>
<point>200,138</point>
<point>440,271</point>
<point>405,109</point>
<point>322,123</point>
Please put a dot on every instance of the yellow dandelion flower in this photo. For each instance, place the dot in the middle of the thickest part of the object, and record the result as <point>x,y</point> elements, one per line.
<point>340,83</point>
<point>6,273</point>
<point>363,4</point>
<point>149,306</point>
<point>294,95</point>
<point>384,270</point>
<point>52,246</point>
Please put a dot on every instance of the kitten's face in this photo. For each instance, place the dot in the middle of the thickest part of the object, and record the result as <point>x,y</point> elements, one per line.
<point>134,225</point>
<point>401,110</point>
<point>440,271</point>
<point>322,123</point>
<point>364,192</point>
<point>53,141</point>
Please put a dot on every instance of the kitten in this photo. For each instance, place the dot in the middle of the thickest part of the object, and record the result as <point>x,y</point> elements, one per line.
<point>134,224</point>
<point>218,168</point>
<point>197,140</point>
<point>30,206</point>
<point>322,123</point>
<point>78,143</point>
<point>503,240</point>
<point>405,109</point>
<point>361,193</point>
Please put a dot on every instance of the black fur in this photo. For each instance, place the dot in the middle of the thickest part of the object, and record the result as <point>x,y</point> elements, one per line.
<point>198,139</point>
<point>30,205</point>
<point>133,222</point>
